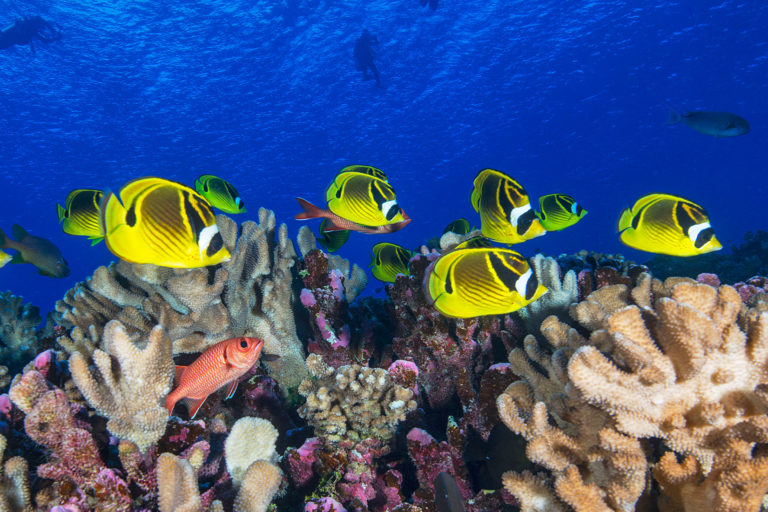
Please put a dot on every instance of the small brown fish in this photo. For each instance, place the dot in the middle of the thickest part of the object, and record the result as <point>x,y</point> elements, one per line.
<point>38,251</point>
<point>336,223</point>
<point>220,365</point>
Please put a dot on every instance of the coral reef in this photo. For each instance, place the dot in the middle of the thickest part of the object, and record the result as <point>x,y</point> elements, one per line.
<point>130,393</point>
<point>352,402</point>
<point>250,295</point>
<point>664,362</point>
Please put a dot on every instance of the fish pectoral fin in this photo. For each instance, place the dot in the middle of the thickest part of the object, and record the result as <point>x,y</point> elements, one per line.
<point>95,239</point>
<point>193,406</point>
<point>231,390</point>
<point>179,370</point>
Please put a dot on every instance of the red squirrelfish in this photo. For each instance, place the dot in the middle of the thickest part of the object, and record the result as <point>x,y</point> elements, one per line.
<point>336,223</point>
<point>220,365</point>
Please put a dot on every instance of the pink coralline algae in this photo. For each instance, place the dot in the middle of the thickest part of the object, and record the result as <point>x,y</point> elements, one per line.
<point>324,505</point>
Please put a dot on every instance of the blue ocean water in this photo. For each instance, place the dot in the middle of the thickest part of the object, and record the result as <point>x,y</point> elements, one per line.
<point>565,96</point>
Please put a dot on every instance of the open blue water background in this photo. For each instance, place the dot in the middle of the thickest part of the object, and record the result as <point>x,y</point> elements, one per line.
<point>565,96</point>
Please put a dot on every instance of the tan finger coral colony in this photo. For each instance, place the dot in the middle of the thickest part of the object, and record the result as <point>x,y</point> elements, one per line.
<point>649,396</point>
<point>679,372</point>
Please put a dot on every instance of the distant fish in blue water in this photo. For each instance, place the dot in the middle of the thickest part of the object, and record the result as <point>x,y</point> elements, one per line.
<point>667,224</point>
<point>38,251</point>
<point>80,214</point>
<point>220,193</point>
<point>558,211</point>
<point>716,124</point>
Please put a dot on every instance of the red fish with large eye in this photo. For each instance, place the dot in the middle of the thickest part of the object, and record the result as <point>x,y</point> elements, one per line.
<point>220,365</point>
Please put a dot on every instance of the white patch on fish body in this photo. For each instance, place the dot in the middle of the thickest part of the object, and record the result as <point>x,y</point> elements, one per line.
<point>204,238</point>
<point>518,212</point>
<point>522,282</point>
<point>693,231</point>
<point>387,206</point>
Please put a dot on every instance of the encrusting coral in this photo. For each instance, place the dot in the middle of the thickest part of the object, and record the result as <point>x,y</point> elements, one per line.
<point>667,362</point>
<point>130,385</point>
<point>252,294</point>
<point>14,483</point>
<point>352,402</point>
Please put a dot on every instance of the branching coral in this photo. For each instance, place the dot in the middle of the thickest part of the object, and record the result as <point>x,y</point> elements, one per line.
<point>250,295</point>
<point>353,402</point>
<point>130,384</point>
<point>662,361</point>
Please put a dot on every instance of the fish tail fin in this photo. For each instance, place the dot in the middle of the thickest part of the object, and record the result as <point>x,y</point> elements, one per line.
<point>310,211</point>
<point>625,220</point>
<point>3,240</point>
<point>60,211</point>
<point>674,116</point>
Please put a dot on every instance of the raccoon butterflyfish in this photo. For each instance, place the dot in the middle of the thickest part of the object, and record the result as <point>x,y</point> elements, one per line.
<point>36,250</point>
<point>667,224</point>
<point>163,222</point>
<point>472,282</point>
<point>331,241</point>
<point>364,169</point>
<point>505,211</point>
<point>363,199</point>
<point>220,193</point>
<point>558,211</point>
<point>459,226</point>
<point>337,223</point>
<point>389,260</point>
<point>80,214</point>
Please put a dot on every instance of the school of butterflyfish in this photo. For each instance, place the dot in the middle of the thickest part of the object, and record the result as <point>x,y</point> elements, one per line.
<point>166,223</point>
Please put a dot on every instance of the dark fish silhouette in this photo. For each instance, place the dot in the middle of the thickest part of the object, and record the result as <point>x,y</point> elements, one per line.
<point>448,497</point>
<point>716,124</point>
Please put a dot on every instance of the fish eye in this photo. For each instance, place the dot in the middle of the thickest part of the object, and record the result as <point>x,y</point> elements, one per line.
<point>243,343</point>
<point>390,209</point>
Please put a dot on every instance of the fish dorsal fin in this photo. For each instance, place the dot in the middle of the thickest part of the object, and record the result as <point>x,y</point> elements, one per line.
<point>18,232</point>
<point>231,389</point>
<point>194,405</point>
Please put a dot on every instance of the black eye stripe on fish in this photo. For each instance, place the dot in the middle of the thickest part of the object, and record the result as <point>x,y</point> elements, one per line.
<point>503,272</point>
<point>704,237</point>
<point>217,242</point>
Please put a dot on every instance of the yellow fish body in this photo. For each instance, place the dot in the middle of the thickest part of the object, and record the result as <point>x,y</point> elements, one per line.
<point>363,199</point>
<point>364,169</point>
<point>4,258</point>
<point>469,282</point>
<point>667,224</point>
<point>80,214</point>
<point>389,260</point>
<point>558,211</point>
<point>162,222</point>
<point>505,211</point>
<point>220,193</point>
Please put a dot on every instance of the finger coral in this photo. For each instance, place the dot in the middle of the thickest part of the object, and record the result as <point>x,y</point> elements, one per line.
<point>129,384</point>
<point>664,361</point>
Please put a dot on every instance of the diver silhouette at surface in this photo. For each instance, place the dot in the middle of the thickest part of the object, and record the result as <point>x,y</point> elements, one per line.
<point>364,55</point>
<point>28,29</point>
<point>432,3</point>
